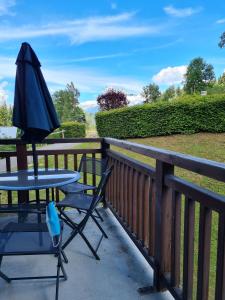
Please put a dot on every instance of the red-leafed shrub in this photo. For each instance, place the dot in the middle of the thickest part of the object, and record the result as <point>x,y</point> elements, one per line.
<point>112,99</point>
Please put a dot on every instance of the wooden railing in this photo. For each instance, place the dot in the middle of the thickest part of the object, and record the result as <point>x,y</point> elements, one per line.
<point>177,225</point>
<point>64,158</point>
<point>170,219</point>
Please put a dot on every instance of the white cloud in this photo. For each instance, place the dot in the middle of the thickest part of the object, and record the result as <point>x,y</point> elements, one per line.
<point>5,7</point>
<point>181,12</point>
<point>135,99</point>
<point>220,21</point>
<point>89,104</point>
<point>7,66</point>
<point>3,92</point>
<point>83,30</point>
<point>170,75</point>
<point>97,57</point>
<point>87,80</point>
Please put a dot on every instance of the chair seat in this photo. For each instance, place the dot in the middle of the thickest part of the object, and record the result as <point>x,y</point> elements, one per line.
<point>76,187</point>
<point>25,239</point>
<point>80,201</point>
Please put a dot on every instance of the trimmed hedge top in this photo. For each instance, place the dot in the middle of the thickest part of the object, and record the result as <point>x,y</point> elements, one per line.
<point>72,130</point>
<point>187,114</point>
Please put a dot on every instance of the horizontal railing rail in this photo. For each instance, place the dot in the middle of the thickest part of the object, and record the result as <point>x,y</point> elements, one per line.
<point>52,141</point>
<point>179,226</point>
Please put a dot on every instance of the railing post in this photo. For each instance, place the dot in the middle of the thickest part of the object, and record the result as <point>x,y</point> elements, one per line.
<point>22,164</point>
<point>104,147</point>
<point>163,222</point>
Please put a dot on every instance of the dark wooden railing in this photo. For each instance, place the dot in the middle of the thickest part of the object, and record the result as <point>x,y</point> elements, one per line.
<point>170,218</point>
<point>177,225</point>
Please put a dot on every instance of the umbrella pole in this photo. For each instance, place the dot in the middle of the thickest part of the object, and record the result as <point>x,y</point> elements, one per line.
<point>35,161</point>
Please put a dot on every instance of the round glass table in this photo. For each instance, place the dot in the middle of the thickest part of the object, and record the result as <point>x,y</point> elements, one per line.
<point>47,178</point>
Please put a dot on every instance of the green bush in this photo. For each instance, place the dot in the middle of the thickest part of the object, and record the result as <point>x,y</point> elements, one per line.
<point>187,114</point>
<point>73,129</point>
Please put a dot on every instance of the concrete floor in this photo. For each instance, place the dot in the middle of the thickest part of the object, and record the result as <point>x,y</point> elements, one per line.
<point>118,275</point>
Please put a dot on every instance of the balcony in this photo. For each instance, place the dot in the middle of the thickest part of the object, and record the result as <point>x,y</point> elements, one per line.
<point>163,229</point>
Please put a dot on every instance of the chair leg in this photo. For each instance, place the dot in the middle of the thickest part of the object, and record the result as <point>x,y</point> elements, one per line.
<point>57,279</point>
<point>98,225</point>
<point>64,272</point>
<point>2,275</point>
<point>6,278</point>
<point>68,241</point>
<point>64,257</point>
<point>99,215</point>
<point>89,245</point>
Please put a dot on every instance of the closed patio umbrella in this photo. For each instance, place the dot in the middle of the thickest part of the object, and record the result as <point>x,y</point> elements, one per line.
<point>33,110</point>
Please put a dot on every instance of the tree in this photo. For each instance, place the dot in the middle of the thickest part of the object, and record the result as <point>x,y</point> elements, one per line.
<point>76,94</point>
<point>178,91</point>
<point>66,103</point>
<point>222,40</point>
<point>221,79</point>
<point>169,93</point>
<point>199,76</point>
<point>5,115</point>
<point>151,93</point>
<point>111,99</point>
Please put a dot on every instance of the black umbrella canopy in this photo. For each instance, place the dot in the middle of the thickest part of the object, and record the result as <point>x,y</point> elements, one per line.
<point>33,110</point>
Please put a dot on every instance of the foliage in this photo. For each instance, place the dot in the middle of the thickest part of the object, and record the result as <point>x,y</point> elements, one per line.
<point>66,104</point>
<point>5,115</point>
<point>199,76</point>
<point>222,40</point>
<point>73,129</point>
<point>221,79</point>
<point>216,89</point>
<point>111,99</point>
<point>169,93</point>
<point>187,114</point>
<point>151,93</point>
<point>179,91</point>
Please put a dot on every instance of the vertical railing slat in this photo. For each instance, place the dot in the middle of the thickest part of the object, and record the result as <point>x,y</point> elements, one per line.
<point>56,163</point>
<point>8,169</point>
<point>130,199</point>
<point>152,215</point>
<point>204,252</point>
<point>135,201</point>
<point>46,167</point>
<point>220,268</point>
<point>126,170</point>
<point>140,203</point>
<point>175,242</point>
<point>189,223</point>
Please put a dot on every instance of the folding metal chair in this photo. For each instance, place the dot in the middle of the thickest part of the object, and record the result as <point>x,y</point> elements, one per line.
<point>88,166</point>
<point>85,203</point>
<point>30,237</point>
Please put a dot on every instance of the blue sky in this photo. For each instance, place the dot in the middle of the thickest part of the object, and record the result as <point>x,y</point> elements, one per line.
<point>98,44</point>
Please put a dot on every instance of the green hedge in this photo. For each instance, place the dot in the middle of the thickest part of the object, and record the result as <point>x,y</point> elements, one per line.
<point>72,130</point>
<point>188,114</point>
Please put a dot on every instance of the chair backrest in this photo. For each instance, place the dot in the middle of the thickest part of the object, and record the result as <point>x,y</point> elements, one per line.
<point>93,165</point>
<point>100,191</point>
<point>98,194</point>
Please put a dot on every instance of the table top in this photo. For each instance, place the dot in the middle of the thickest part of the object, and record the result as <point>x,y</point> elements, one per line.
<point>47,178</point>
